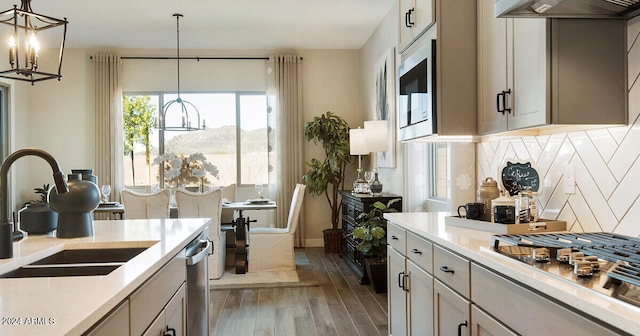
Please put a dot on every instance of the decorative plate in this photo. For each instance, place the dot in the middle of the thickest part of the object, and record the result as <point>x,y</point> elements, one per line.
<point>516,176</point>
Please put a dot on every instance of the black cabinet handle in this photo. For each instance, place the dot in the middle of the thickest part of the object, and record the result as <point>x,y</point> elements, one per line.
<point>170,332</point>
<point>416,251</point>
<point>407,18</point>
<point>498,101</point>
<point>394,238</point>
<point>504,101</point>
<point>460,325</point>
<point>401,280</point>
<point>446,269</point>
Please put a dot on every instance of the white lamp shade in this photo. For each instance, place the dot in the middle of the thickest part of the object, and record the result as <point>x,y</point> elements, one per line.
<point>357,142</point>
<point>377,134</point>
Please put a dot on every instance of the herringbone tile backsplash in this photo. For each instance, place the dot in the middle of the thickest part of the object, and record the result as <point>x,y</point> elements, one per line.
<point>605,162</point>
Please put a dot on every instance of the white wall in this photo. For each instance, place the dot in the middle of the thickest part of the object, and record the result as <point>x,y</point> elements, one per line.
<point>384,38</point>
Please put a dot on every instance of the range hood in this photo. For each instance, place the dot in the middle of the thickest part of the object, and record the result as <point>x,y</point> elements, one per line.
<point>597,9</point>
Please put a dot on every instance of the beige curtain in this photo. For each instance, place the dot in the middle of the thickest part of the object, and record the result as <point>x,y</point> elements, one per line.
<point>108,128</point>
<point>285,106</point>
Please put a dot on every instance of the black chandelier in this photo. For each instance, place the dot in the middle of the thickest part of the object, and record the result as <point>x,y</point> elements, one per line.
<point>27,32</point>
<point>188,112</point>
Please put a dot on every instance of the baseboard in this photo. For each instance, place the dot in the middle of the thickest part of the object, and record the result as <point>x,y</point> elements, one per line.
<point>314,242</point>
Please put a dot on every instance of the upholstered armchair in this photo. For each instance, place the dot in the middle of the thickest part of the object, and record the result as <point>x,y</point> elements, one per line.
<point>145,206</point>
<point>206,205</point>
<point>272,249</point>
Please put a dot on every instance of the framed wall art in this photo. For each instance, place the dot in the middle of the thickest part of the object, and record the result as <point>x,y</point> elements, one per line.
<point>385,95</point>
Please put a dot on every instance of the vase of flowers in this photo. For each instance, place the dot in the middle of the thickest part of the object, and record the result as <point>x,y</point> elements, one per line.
<point>182,170</point>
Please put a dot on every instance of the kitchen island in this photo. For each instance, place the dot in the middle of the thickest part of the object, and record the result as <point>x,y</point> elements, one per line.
<point>474,247</point>
<point>72,305</point>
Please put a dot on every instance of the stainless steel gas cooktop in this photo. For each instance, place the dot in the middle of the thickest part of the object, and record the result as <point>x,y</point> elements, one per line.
<point>605,262</point>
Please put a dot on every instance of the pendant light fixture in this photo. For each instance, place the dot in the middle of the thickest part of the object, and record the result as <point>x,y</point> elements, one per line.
<point>26,32</point>
<point>189,116</point>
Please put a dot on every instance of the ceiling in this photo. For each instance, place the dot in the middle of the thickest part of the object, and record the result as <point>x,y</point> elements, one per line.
<point>216,24</point>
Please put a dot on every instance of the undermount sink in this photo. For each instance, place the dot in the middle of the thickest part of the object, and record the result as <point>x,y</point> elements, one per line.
<point>77,262</point>
<point>91,256</point>
<point>67,271</point>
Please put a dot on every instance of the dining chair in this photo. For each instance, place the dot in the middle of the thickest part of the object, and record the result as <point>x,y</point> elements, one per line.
<point>145,206</point>
<point>229,194</point>
<point>206,205</point>
<point>226,220</point>
<point>272,249</point>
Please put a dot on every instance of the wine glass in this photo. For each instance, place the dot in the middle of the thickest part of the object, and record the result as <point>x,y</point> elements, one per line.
<point>259,187</point>
<point>369,176</point>
<point>106,191</point>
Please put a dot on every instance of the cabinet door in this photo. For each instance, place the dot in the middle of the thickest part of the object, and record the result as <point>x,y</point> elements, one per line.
<point>176,313</point>
<point>397,295</point>
<point>529,74</point>
<point>116,323</point>
<point>157,327</point>
<point>420,300</point>
<point>424,16</point>
<point>405,30</point>
<point>451,312</point>
<point>492,68</point>
<point>485,325</point>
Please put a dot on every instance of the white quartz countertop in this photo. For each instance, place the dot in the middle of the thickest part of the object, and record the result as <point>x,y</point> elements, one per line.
<point>475,244</point>
<point>71,305</point>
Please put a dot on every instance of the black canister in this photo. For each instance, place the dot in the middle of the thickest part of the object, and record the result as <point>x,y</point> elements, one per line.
<point>505,214</point>
<point>87,175</point>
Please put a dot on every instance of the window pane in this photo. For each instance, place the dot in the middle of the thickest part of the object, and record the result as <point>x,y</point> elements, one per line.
<point>253,139</point>
<point>438,170</point>
<point>217,141</point>
<point>139,115</point>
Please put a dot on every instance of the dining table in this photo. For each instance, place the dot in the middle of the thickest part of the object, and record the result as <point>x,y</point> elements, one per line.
<point>241,223</point>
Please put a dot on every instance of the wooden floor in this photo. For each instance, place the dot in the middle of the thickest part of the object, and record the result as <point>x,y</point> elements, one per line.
<point>338,306</point>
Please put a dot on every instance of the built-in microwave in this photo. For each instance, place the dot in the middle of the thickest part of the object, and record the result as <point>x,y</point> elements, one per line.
<point>416,94</point>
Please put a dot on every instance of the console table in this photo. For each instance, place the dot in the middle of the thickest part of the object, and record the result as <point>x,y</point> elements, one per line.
<point>352,206</point>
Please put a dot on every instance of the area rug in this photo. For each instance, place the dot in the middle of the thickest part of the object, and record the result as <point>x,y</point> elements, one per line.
<point>231,280</point>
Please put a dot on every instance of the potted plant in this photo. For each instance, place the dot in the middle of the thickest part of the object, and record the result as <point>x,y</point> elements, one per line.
<point>371,235</point>
<point>326,175</point>
<point>36,217</point>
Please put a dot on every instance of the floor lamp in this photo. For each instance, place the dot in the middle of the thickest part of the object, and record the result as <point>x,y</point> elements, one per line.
<point>358,146</point>
<point>377,135</point>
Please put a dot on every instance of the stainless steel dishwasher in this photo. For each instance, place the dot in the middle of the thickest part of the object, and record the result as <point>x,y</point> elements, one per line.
<point>197,253</point>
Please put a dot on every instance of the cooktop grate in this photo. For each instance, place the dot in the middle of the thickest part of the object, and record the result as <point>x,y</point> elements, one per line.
<point>621,250</point>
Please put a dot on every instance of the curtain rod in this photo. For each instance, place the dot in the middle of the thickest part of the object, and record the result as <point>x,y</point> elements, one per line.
<point>190,58</point>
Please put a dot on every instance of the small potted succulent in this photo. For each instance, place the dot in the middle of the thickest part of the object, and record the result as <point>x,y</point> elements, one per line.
<point>371,236</point>
<point>36,217</point>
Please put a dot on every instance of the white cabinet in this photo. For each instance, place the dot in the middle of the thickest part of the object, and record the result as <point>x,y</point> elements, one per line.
<point>150,300</point>
<point>410,294</point>
<point>526,312</point>
<point>152,309</point>
<point>484,325</point>
<point>420,315</point>
<point>535,72</point>
<point>171,320</point>
<point>415,16</point>
<point>452,311</point>
<point>397,296</point>
<point>115,323</point>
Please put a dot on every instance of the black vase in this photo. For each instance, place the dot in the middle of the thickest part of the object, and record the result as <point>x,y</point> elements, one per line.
<point>38,218</point>
<point>377,272</point>
<point>75,208</point>
<point>87,175</point>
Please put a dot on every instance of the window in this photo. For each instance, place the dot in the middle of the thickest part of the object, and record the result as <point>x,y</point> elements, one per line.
<point>438,170</point>
<point>235,138</point>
